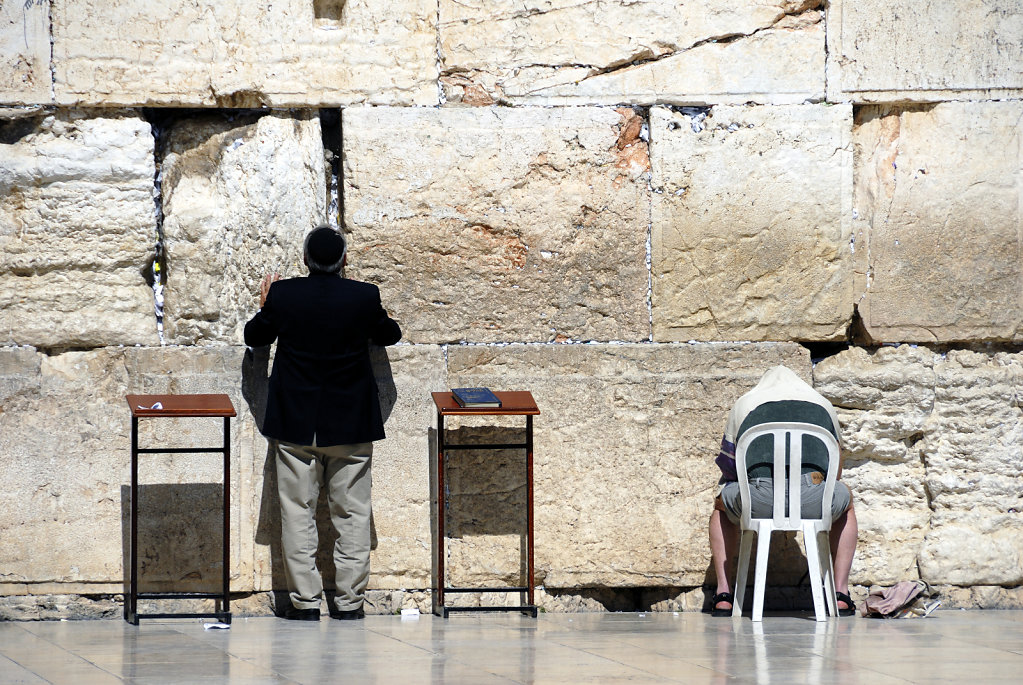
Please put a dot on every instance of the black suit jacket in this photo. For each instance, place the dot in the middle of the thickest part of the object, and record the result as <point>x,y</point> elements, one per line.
<point>322,381</point>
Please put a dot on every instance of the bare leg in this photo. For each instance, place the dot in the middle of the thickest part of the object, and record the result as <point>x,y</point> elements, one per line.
<point>724,541</point>
<point>843,547</point>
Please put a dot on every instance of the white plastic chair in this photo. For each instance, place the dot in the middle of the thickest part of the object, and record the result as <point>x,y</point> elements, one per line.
<point>815,531</point>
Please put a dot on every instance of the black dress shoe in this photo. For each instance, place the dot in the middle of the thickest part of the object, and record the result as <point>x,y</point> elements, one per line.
<point>294,614</point>
<point>353,615</point>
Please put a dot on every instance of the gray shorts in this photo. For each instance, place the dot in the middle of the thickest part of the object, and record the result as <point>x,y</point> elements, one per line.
<point>761,492</point>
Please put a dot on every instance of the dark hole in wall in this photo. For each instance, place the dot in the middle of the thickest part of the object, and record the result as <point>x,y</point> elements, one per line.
<point>328,9</point>
<point>857,333</point>
<point>13,130</point>
<point>863,114</point>
<point>823,350</point>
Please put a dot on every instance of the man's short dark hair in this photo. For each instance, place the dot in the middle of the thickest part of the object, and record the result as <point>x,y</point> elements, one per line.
<point>324,250</point>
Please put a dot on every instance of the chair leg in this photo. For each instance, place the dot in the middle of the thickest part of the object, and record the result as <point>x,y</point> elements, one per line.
<point>824,545</point>
<point>742,571</point>
<point>813,561</point>
<point>760,580</point>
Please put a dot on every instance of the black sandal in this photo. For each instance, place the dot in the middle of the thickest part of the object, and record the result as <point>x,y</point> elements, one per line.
<point>721,597</point>
<point>850,609</point>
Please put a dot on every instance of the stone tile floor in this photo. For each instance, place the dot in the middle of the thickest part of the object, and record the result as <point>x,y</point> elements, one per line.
<point>950,646</point>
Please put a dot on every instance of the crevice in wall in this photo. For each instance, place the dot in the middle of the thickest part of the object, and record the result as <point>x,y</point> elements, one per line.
<point>155,270</point>
<point>330,130</point>
<point>53,65</point>
<point>58,350</point>
<point>158,269</point>
<point>857,333</point>
<point>698,115</point>
<point>826,9</point>
<point>441,99</point>
<point>641,59</point>
<point>650,266</point>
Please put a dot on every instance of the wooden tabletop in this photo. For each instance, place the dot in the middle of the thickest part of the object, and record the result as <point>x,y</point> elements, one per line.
<point>514,402</point>
<point>180,405</point>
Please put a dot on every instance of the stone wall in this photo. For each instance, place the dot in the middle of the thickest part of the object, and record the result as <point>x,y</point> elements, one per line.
<point>630,208</point>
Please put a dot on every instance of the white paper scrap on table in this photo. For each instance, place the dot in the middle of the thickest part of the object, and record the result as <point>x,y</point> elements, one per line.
<point>410,614</point>
<point>158,405</point>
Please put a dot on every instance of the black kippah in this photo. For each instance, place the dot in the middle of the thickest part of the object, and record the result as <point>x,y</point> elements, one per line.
<point>326,246</point>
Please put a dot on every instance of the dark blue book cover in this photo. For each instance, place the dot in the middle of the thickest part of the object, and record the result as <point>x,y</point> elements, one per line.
<point>475,397</point>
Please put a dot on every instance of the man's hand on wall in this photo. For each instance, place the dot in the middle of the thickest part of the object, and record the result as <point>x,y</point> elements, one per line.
<point>264,287</point>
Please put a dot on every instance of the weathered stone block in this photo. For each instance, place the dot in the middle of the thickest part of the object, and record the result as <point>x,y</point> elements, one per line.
<point>239,195</point>
<point>899,50</point>
<point>751,223</point>
<point>65,446</point>
<point>885,401</point>
<point>566,52</point>
<point>975,472</point>
<point>77,230</point>
<point>501,224</point>
<point>244,54</point>
<point>64,437</point>
<point>25,52</point>
<point>937,196</point>
<point>624,454</point>
<point>935,444</point>
<point>406,376</point>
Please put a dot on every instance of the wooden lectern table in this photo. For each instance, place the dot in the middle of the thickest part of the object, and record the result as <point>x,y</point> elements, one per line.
<point>177,406</point>
<point>517,403</point>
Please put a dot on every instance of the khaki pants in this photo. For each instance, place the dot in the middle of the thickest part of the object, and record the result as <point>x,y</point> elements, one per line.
<point>345,470</point>
<point>761,491</point>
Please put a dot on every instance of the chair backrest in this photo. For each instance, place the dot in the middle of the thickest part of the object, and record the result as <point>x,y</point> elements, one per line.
<point>760,455</point>
<point>787,439</point>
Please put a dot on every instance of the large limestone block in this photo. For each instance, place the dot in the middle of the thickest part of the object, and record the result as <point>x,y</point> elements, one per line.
<point>653,51</point>
<point>245,54</point>
<point>501,224</point>
<point>25,52</point>
<point>935,444</point>
<point>751,223</point>
<point>77,230</point>
<point>975,472</point>
<point>885,402</point>
<point>899,50</point>
<point>65,456</point>
<point>401,465</point>
<point>623,461</point>
<point>937,198</point>
<point>239,195</point>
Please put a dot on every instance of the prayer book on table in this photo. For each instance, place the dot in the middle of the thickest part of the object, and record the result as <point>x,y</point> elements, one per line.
<point>475,397</point>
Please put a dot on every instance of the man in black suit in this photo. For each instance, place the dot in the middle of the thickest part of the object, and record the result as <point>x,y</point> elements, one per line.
<point>322,416</point>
